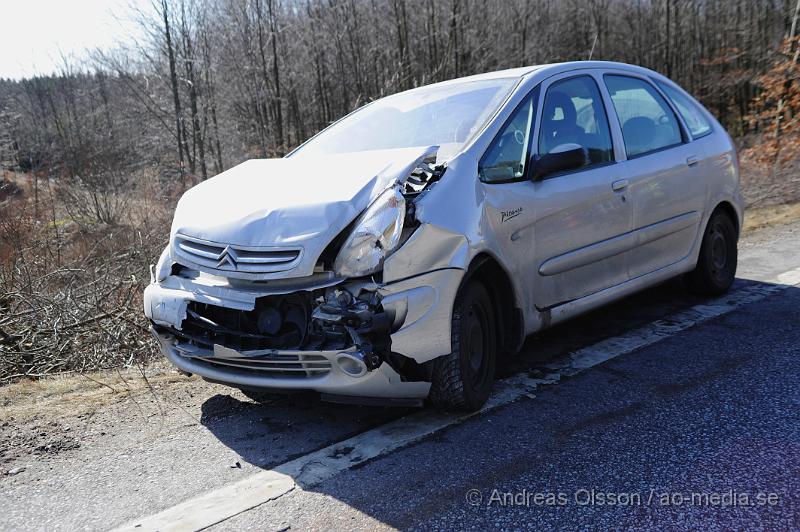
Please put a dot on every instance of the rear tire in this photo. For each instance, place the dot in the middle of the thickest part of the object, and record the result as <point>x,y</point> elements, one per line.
<point>716,265</point>
<point>463,379</point>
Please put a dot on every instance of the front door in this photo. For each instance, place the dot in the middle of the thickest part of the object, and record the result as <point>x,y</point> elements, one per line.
<point>565,234</point>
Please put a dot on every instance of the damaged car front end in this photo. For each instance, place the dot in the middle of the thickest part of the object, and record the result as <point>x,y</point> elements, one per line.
<point>317,271</point>
<point>297,315</point>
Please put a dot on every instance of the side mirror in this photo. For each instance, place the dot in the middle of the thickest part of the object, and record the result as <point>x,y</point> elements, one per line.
<point>562,158</point>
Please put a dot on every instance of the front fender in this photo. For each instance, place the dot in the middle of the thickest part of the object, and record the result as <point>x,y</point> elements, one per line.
<point>423,310</point>
<point>430,248</point>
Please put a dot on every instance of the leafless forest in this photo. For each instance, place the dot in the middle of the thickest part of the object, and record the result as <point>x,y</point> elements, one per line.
<point>94,158</point>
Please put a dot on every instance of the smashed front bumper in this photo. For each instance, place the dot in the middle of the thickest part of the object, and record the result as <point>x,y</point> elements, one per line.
<point>316,370</point>
<point>418,309</point>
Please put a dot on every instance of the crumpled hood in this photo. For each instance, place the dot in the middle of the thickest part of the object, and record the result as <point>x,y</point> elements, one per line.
<point>300,202</point>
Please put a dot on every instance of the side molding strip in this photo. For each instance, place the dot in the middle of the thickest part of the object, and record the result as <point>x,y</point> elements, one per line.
<point>618,244</point>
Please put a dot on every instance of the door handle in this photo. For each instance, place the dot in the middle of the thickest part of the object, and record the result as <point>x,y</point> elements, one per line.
<point>620,184</point>
<point>692,160</point>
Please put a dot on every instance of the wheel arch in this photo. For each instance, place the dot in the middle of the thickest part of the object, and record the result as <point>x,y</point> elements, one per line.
<point>728,208</point>
<point>705,278</point>
<point>508,315</point>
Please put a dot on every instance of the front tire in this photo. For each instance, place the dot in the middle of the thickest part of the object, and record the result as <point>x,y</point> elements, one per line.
<point>463,379</point>
<point>716,265</point>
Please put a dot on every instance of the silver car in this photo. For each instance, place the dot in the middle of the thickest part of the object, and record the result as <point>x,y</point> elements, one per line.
<point>398,253</point>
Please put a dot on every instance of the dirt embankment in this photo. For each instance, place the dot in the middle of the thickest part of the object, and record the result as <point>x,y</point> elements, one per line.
<point>757,218</point>
<point>42,418</point>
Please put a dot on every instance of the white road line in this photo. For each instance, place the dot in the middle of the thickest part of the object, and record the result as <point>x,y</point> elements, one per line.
<point>791,277</point>
<point>312,469</point>
<point>665,327</point>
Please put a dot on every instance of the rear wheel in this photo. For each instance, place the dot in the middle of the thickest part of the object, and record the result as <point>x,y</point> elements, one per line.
<point>463,379</point>
<point>716,265</point>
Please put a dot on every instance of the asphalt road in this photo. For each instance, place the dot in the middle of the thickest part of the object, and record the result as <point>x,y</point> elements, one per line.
<point>698,429</point>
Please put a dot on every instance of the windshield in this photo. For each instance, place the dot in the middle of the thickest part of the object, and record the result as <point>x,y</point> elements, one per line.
<point>445,116</point>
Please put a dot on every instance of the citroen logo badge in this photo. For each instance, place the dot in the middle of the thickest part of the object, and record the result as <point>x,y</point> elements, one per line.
<point>227,259</point>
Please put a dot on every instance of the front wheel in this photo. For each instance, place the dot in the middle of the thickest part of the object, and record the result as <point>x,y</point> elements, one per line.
<point>716,265</point>
<point>463,379</point>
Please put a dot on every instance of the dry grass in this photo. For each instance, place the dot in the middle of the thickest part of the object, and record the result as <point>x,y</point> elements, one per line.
<point>760,217</point>
<point>77,394</point>
<point>768,184</point>
<point>71,285</point>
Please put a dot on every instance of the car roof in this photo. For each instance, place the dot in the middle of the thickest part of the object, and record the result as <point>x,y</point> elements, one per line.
<point>556,68</point>
<point>542,71</point>
<point>510,73</point>
<point>499,74</point>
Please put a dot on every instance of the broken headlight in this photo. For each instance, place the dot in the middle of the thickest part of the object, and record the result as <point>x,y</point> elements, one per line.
<point>375,235</point>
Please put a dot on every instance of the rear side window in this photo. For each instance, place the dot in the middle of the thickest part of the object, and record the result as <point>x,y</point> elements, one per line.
<point>697,123</point>
<point>648,123</point>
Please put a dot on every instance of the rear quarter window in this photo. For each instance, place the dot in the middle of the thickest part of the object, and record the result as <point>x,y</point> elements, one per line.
<point>692,115</point>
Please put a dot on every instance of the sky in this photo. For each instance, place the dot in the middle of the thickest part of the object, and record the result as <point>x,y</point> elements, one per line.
<point>35,33</point>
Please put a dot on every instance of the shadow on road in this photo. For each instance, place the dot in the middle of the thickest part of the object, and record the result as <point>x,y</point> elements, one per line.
<point>269,434</point>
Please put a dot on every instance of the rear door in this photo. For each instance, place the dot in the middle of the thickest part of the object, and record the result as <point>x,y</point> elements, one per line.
<point>662,174</point>
<point>565,235</point>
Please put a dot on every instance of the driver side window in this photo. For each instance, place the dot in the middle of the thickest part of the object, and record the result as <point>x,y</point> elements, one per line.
<point>574,113</point>
<point>507,157</point>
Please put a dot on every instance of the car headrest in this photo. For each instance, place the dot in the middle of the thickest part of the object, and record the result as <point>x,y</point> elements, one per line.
<point>554,102</point>
<point>639,131</point>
